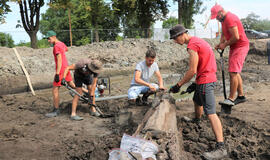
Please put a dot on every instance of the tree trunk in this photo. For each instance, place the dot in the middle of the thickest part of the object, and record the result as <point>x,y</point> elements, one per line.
<point>96,35</point>
<point>33,38</point>
<point>160,123</point>
<point>31,22</point>
<point>180,12</point>
<point>70,32</point>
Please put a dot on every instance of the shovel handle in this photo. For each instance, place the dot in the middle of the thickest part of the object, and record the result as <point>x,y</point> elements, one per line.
<point>220,51</point>
<point>75,92</point>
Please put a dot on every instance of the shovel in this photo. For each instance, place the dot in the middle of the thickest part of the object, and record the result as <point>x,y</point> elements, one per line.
<point>224,108</point>
<point>86,101</point>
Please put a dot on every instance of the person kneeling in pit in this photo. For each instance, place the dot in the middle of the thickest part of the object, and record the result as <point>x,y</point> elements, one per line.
<point>86,72</point>
<point>140,83</point>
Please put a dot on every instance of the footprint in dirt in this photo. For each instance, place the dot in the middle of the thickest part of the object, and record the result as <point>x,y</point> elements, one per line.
<point>243,140</point>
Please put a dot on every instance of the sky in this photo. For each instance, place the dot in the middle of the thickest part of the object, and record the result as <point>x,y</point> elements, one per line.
<point>239,7</point>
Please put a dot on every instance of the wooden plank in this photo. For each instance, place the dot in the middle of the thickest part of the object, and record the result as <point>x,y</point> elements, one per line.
<point>24,71</point>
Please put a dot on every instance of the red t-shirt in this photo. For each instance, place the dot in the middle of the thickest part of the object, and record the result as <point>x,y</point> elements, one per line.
<point>231,20</point>
<point>60,48</point>
<point>207,67</point>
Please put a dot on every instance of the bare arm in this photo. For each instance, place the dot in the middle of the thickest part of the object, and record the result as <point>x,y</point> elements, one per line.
<point>142,82</point>
<point>222,38</point>
<point>193,63</point>
<point>139,80</point>
<point>93,88</point>
<point>235,36</point>
<point>59,63</point>
<point>71,67</point>
<point>160,80</point>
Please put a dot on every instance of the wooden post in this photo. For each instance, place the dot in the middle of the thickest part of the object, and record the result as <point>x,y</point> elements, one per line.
<point>24,71</point>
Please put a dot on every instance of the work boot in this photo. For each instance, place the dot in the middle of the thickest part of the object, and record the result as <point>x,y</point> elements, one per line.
<point>138,101</point>
<point>54,113</point>
<point>218,153</point>
<point>76,118</point>
<point>96,113</point>
<point>196,120</point>
<point>227,102</point>
<point>145,97</point>
<point>240,99</point>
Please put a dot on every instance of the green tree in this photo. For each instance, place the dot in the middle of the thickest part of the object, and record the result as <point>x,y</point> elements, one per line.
<point>170,22</point>
<point>250,21</point>
<point>125,11</point>
<point>6,40</point>
<point>4,9</point>
<point>43,43</point>
<point>187,9</point>
<point>253,21</point>
<point>140,14</point>
<point>263,25</point>
<point>101,17</point>
<point>82,19</point>
<point>30,14</point>
<point>66,5</point>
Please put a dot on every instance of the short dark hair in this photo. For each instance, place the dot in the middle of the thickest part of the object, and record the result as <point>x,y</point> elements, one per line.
<point>150,53</point>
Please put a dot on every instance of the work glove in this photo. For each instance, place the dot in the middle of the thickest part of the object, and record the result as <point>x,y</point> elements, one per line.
<point>64,82</point>
<point>191,88</point>
<point>175,88</point>
<point>56,78</point>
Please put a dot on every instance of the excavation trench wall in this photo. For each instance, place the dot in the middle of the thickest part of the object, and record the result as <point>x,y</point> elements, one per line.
<point>118,58</point>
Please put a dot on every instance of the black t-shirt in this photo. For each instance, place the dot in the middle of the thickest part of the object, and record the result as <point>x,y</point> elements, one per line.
<point>81,68</point>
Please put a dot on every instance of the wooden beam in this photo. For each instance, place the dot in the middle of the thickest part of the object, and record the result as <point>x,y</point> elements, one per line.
<point>24,71</point>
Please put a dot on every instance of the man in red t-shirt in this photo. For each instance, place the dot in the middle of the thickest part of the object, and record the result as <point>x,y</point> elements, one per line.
<point>61,63</point>
<point>203,63</point>
<point>233,35</point>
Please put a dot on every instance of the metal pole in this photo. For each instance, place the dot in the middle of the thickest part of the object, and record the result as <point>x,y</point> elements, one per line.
<point>268,51</point>
<point>91,36</point>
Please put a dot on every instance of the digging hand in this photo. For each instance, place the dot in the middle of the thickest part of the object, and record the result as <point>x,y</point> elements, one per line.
<point>191,88</point>
<point>64,82</point>
<point>175,88</point>
<point>56,78</point>
<point>152,88</point>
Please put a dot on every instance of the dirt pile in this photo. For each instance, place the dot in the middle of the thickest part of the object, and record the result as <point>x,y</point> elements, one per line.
<point>258,47</point>
<point>118,58</point>
<point>27,133</point>
<point>243,140</point>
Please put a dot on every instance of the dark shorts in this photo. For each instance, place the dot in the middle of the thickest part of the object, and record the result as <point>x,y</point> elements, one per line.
<point>80,80</point>
<point>204,96</point>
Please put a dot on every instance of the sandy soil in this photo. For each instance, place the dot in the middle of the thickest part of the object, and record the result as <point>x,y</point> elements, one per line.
<point>27,134</point>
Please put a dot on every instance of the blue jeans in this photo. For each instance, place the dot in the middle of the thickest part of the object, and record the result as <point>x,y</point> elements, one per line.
<point>135,91</point>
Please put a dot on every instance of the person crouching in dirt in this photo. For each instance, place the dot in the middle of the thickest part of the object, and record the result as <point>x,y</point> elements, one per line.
<point>201,62</point>
<point>86,72</point>
<point>61,63</point>
<point>140,83</point>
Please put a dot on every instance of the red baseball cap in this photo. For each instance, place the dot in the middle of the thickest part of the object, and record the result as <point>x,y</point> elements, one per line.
<point>214,10</point>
